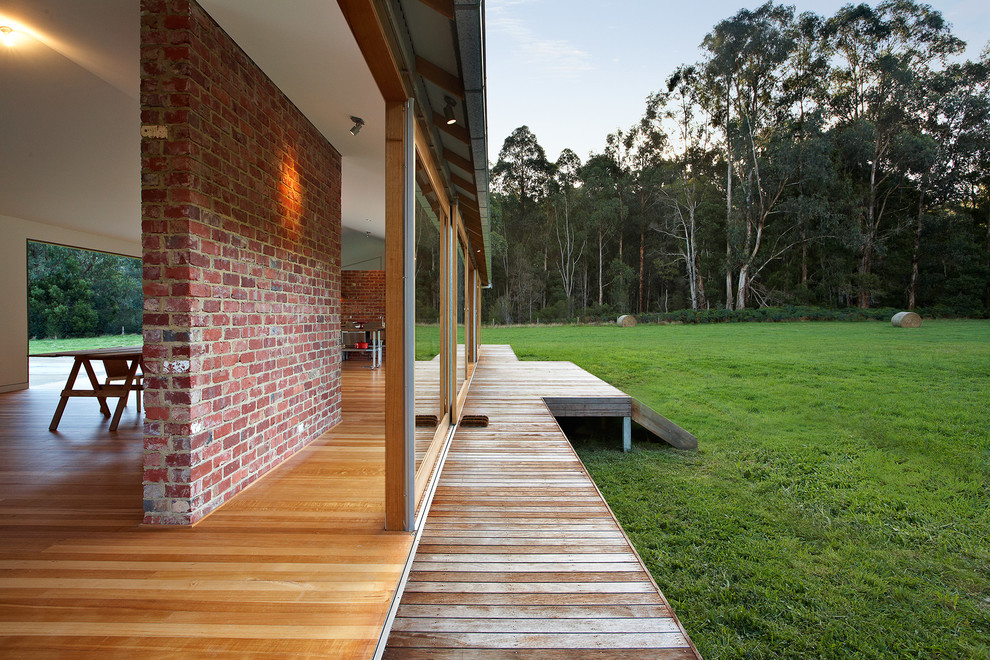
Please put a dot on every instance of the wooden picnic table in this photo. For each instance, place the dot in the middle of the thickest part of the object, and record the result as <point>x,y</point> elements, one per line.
<point>120,364</point>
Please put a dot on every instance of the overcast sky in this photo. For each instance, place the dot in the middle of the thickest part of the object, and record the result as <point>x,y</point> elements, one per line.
<point>575,70</point>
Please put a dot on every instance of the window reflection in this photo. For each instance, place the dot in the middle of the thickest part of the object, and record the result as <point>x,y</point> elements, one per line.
<point>429,401</point>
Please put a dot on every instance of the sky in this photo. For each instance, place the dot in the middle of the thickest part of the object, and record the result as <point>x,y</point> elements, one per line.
<point>576,70</point>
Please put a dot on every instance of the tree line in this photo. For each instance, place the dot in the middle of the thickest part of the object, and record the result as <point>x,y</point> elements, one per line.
<point>834,161</point>
<point>80,293</point>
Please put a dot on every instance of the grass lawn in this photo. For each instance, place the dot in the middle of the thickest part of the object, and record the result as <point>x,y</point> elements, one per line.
<point>82,343</point>
<point>428,340</point>
<point>838,504</point>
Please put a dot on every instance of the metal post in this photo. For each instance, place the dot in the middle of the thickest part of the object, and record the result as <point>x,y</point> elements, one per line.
<point>409,316</point>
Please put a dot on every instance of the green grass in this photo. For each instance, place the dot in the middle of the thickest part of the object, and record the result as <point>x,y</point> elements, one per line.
<point>838,504</point>
<point>82,343</point>
<point>428,340</point>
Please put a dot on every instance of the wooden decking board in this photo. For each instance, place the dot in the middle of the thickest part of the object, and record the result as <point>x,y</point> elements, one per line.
<point>535,611</point>
<point>530,577</point>
<point>446,642</point>
<point>520,556</point>
<point>529,548</point>
<point>558,601</point>
<point>543,654</point>
<point>469,588</point>
<point>535,622</point>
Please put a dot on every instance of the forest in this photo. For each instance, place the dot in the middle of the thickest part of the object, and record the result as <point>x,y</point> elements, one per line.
<point>81,293</point>
<point>834,162</point>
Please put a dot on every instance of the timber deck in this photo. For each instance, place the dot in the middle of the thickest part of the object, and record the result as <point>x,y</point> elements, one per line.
<point>520,556</point>
<point>427,399</point>
<point>297,565</point>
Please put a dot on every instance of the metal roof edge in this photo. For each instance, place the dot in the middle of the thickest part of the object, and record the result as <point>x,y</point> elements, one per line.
<point>469,18</point>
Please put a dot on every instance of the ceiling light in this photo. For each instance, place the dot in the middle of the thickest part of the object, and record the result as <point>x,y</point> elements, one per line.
<point>7,35</point>
<point>448,110</point>
<point>358,125</point>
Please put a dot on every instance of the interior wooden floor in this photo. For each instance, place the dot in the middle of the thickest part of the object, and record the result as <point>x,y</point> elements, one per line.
<point>520,556</point>
<point>297,565</point>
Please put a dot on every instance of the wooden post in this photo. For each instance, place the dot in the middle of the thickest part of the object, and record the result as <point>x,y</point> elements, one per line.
<point>399,430</point>
<point>476,287</point>
<point>450,311</point>
<point>477,315</point>
<point>447,374</point>
<point>626,433</point>
<point>469,310</point>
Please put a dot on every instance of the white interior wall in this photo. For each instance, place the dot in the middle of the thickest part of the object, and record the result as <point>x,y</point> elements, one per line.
<point>14,235</point>
<point>359,251</point>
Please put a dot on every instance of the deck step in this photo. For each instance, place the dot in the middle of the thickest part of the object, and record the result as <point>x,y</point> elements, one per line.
<point>662,427</point>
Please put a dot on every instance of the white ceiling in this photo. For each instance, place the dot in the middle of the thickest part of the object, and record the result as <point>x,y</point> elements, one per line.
<point>69,108</point>
<point>306,48</point>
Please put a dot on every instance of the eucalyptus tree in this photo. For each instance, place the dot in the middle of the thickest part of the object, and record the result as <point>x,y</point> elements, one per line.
<point>750,50</point>
<point>522,169</point>
<point>522,177</point>
<point>716,90</point>
<point>646,144</point>
<point>689,149</point>
<point>953,105</point>
<point>881,55</point>
<point>599,178</point>
<point>618,147</point>
<point>977,182</point>
<point>567,232</point>
<point>802,108</point>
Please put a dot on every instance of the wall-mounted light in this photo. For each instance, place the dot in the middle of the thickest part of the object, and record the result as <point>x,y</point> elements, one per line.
<point>7,35</point>
<point>448,110</point>
<point>358,125</point>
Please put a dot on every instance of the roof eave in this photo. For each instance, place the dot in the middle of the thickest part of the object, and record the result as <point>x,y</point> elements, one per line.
<point>469,21</point>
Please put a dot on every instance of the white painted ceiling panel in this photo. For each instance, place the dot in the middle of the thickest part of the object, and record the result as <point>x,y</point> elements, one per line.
<point>70,119</point>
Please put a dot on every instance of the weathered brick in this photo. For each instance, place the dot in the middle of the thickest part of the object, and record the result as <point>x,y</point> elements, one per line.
<point>229,260</point>
<point>362,296</point>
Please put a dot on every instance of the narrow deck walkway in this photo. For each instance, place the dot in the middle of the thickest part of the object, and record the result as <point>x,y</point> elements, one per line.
<point>520,556</point>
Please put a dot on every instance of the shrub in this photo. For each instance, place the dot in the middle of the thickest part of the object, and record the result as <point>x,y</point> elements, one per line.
<point>790,313</point>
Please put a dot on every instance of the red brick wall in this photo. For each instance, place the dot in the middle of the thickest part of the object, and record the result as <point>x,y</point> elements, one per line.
<point>241,233</point>
<point>362,294</point>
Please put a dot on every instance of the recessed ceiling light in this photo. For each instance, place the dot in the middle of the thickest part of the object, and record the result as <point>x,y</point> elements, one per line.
<point>7,35</point>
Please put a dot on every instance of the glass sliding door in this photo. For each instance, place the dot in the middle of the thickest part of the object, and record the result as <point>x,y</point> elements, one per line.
<point>443,290</point>
<point>470,318</point>
<point>429,402</point>
<point>460,367</point>
<point>435,289</point>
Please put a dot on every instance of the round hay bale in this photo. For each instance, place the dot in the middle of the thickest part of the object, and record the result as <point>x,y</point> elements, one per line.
<point>906,320</point>
<point>626,321</point>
